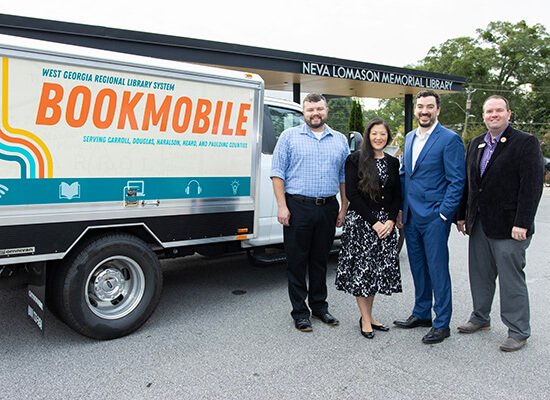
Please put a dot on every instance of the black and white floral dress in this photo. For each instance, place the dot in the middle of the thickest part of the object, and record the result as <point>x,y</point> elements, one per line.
<point>368,265</point>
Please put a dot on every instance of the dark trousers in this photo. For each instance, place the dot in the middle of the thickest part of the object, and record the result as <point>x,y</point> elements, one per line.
<point>429,262</point>
<point>308,241</point>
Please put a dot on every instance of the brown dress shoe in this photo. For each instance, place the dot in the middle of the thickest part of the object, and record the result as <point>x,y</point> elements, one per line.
<point>470,327</point>
<point>511,344</point>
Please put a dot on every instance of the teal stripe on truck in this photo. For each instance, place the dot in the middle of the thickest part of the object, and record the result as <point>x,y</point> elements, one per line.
<point>85,190</point>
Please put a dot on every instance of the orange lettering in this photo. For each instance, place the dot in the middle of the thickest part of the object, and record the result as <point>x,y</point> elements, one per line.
<point>186,118</point>
<point>152,114</point>
<point>226,130</point>
<point>241,119</point>
<point>98,108</point>
<point>47,103</point>
<point>217,115</point>
<point>202,123</point>
<point>127,110</point>
<point>84,109</point>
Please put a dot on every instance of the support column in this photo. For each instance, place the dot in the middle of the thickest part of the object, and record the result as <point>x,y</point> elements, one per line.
<point>296,92</point>
<point>409,114</point>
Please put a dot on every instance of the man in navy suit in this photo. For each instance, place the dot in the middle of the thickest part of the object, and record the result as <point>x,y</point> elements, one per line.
<point>432,177</point>
<point>505,178</point>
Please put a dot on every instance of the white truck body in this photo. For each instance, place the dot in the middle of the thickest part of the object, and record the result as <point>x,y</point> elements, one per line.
<point>110,161</point>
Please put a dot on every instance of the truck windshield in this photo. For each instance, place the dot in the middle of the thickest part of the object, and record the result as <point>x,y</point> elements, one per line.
<point>284,118</point>
<point>276,120</point>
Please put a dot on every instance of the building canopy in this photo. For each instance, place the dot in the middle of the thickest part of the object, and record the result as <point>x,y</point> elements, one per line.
<point>281,70</point>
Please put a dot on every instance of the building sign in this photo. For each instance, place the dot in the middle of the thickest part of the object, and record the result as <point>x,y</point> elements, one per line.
<point>371,75</point>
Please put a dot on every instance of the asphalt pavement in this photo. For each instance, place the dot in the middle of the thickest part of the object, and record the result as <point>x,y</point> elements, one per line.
<point>223,331</point>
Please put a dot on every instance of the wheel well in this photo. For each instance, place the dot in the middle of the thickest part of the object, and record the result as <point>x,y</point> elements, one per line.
<point>93,233</point>
<point>89,236</point>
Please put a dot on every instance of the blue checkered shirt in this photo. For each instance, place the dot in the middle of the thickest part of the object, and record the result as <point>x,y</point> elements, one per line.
<point>309,166</point>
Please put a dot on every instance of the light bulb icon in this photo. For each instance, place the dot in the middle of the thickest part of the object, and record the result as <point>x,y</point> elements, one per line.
<point>235,187</point>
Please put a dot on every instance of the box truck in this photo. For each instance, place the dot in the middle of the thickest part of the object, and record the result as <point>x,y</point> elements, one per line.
<point>110,162</point>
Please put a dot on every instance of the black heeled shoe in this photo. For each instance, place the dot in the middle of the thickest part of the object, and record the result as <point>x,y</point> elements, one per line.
<point>368,335</point>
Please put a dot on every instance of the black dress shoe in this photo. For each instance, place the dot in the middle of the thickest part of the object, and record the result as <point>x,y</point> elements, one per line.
<point>368,335</point>
<point>412,322</point>
<point>436,335</point>
<point>303,324</point>
<point>382,328</point>
<point>326,318</point>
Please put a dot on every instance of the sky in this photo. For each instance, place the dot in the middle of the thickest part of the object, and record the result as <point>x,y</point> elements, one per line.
<point>395,32</point>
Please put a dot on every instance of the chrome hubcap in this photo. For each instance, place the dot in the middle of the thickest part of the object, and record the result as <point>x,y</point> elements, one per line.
<point>115,287</point>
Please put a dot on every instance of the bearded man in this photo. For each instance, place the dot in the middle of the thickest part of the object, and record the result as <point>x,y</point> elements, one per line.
<point>307,173</point>
<point>433,175</point>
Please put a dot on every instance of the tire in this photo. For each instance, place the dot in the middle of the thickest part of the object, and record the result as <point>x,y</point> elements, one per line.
<point>109,287</point>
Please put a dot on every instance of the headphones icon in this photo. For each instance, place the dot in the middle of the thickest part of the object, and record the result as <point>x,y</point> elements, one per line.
<point>199,189</point>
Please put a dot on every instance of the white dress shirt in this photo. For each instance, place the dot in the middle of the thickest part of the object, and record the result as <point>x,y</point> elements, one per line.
<point>419,142</point>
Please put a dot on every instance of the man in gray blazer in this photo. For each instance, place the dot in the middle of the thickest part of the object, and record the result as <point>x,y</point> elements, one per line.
<point>505,175</point>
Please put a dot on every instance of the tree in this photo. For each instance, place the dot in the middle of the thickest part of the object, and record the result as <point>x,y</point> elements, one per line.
<point>338,113</point>
<point>356,120</point>
<point>512,60</point>
<point>392,111</point>
<point>507,59</point>
<point>521,52</point>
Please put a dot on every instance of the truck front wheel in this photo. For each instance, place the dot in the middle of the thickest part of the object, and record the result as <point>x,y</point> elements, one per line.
<point>109,288</point>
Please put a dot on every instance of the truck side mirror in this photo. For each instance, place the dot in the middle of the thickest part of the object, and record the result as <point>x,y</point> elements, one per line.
<point>354,141</point>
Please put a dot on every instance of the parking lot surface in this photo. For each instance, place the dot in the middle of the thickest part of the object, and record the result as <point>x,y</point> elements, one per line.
<point>223,331</point>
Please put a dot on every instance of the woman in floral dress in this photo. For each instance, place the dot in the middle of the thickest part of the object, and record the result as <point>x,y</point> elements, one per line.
<point>369,260</point>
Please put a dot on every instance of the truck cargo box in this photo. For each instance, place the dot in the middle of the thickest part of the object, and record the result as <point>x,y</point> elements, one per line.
<point>123,140</point>
<point>110,161</point>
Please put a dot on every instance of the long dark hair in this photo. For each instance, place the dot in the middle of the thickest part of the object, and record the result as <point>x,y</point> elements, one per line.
<point>369,181</point>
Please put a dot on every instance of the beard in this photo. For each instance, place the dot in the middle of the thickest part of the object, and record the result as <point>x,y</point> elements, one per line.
<point>312,125</point>
<point>430,122</point>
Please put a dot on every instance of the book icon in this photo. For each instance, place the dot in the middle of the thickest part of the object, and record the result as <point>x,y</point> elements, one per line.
<point>70,192</point>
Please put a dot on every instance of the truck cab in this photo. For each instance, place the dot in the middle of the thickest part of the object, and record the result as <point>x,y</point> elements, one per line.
<point>278,116</point>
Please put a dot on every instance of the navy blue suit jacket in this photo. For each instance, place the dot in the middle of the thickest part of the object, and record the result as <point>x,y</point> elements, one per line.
<point>436,184</point>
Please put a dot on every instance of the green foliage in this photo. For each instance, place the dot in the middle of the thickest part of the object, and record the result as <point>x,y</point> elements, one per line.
<point>473,131</point>
<point>356,120</point>
<point>545,144</point>
<point>338,113</point>
<point>392,111</point>
<point>521,52</point>
<point>512,60</point>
